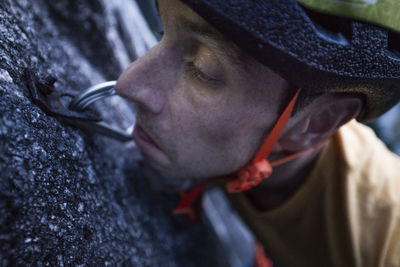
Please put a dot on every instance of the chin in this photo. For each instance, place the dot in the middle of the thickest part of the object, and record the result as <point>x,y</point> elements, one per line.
<point>166,184</point>
<point>161,185</point>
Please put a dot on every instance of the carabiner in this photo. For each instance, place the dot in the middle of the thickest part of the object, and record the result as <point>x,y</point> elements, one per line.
<point>88,97</point>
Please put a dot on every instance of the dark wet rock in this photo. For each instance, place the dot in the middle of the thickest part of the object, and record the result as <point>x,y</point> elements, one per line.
<point>68,198</point>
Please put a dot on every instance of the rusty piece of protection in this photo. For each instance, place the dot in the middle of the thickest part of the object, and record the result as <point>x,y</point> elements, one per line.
<point>88,97</point>
<point>44,95</point>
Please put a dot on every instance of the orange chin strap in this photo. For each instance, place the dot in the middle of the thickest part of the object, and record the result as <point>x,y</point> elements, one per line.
<point>260,168</point>
<point>250,175</point>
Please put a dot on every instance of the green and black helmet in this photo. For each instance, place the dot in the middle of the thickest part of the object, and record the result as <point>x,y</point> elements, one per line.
<point>321,45</point>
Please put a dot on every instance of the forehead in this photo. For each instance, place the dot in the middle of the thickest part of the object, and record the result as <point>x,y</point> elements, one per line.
<point>173,11</point>
<point>179,19</point>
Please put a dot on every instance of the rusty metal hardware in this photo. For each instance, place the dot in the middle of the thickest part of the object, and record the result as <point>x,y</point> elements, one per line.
<point>77,113</point>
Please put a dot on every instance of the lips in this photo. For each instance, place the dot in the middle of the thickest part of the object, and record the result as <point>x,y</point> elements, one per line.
<point>149,148</point>
<point>144,136</point>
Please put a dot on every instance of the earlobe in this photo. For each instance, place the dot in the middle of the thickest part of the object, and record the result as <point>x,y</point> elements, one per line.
<point>320,120</point>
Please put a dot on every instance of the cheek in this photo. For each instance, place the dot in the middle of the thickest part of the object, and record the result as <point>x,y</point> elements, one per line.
<point>213,137</point>
<point>207,143</point>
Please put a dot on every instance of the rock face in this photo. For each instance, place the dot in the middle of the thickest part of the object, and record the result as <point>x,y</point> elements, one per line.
<point>67,197</point>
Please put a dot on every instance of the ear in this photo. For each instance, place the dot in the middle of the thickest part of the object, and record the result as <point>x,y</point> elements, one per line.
<point>319,120</point>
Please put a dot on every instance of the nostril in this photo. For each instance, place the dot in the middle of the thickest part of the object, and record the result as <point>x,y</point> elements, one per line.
<point>144,96</point>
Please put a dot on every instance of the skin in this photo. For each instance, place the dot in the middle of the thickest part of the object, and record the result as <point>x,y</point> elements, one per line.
<point>208,107</point>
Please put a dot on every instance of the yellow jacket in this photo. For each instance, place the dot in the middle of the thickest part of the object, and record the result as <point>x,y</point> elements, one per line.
<point>347,213</point>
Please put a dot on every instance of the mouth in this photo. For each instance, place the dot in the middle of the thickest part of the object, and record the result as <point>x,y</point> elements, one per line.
<point>144,136</point>
<point>148,146</point>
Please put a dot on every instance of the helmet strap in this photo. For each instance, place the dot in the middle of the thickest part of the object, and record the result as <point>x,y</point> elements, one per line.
<point>260,168</point>
<point>253,173</point>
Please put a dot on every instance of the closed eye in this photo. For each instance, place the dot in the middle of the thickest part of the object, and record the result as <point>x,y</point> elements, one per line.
<point>198,74</point>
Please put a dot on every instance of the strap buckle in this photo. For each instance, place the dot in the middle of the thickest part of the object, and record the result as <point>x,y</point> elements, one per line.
<point>249,176</point>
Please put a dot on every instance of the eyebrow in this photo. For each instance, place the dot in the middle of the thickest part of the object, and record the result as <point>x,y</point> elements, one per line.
<point>198,28</point>
<point>212,36</point>
<point>194,27</point>
<point>205,31</point>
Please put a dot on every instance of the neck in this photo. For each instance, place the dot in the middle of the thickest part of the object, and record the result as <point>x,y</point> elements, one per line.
<point>283,183</point>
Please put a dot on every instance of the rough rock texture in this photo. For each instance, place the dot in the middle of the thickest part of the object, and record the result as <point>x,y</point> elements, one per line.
<point>66,197</point>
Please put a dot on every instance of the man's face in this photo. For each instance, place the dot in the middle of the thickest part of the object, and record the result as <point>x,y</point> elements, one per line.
<point>203,106</point>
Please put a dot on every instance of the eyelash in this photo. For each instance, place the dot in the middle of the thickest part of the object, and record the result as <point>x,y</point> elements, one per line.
<point>198,74</point>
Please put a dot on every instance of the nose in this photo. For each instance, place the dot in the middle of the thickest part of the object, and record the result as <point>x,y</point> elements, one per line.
<point>141,82</point>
